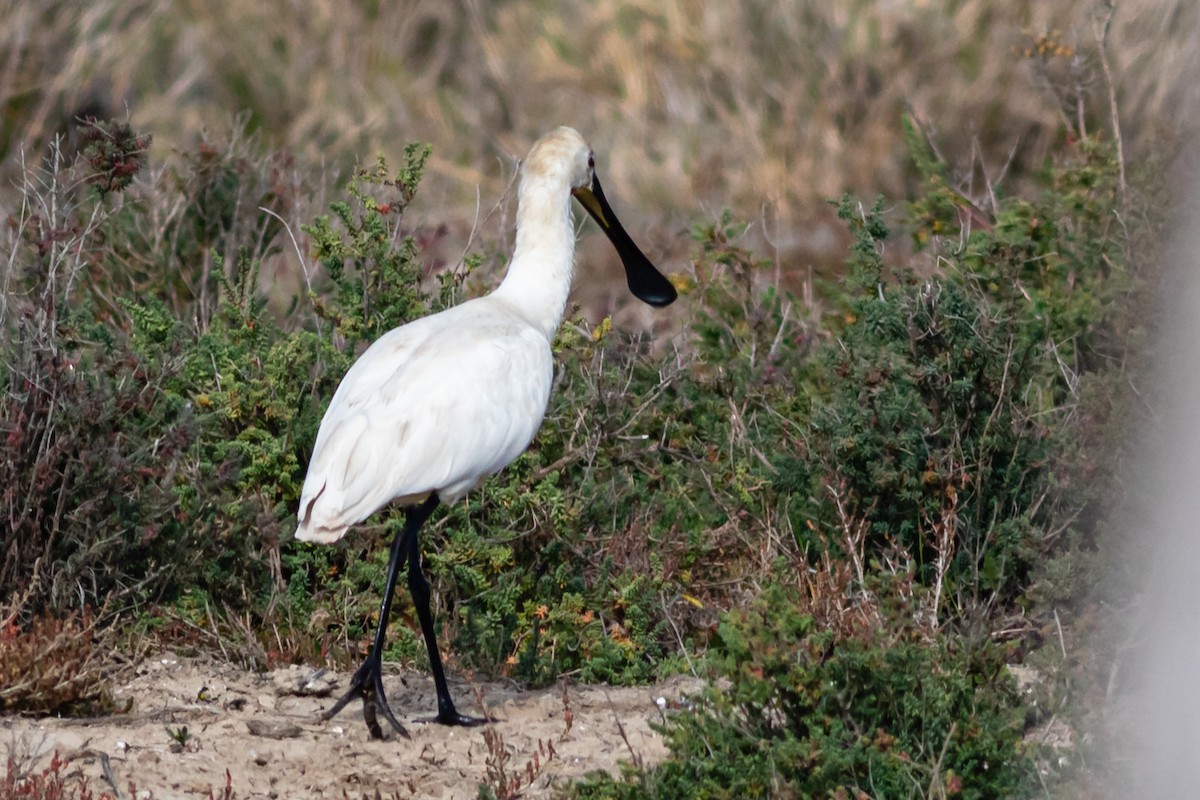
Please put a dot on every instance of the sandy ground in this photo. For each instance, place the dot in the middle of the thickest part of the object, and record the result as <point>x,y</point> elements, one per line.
<point>265,730</point>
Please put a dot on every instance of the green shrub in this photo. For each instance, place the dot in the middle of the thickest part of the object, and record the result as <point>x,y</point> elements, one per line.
<point>925,429</point>
<point>195,406</point>
<point>635,515</point>
<point>90,453</point>
<point>156,445</point>
<point>946,401</point>
<point>949,421</point>
<point>797,710</point>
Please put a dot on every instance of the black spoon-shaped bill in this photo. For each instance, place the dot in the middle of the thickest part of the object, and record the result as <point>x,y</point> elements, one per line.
<point>645,281</point>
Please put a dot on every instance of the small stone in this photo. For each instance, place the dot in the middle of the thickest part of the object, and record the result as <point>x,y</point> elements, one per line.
<point>273,730</point>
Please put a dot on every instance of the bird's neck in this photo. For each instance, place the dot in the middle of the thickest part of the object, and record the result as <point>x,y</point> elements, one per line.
<point>543,261</point>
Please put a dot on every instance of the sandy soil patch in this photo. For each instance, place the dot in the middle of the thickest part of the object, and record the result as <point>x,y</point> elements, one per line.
<point>264,729</point>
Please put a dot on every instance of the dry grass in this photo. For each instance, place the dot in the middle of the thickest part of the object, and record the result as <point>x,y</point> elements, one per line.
<point>694,106</point>
<point>54,665</point>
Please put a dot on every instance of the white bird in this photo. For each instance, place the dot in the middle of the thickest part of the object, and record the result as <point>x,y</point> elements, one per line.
<point>437,405</point>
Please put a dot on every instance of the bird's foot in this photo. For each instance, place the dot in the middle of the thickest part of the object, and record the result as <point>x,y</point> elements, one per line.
<point>448,715</point>
<point>367,684</point>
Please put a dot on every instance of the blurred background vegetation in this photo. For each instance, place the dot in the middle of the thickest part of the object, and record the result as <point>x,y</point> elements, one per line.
<point>766,108</point>
<point>858,476</point>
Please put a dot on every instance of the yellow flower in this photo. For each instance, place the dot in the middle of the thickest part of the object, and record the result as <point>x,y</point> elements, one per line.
<point>602,329</point>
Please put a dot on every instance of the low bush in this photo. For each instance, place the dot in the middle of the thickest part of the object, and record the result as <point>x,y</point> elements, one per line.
<point>935,489</point>
<point>802,710</point>
<point>55,665</point>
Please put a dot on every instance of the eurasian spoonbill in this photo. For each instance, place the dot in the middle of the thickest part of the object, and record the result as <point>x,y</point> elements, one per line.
<point>438,404</point>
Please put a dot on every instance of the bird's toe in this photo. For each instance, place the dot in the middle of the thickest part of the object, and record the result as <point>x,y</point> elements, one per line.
<point>367,685</point>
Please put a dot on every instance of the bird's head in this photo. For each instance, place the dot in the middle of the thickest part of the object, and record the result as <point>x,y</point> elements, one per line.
<point>565,151</point>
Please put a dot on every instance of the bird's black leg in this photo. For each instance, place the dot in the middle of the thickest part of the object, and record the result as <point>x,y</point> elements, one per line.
<point>447,713</point>
<point>367,682</point>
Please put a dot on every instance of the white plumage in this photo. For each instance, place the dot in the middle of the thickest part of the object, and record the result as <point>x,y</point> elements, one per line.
<point>436,405</point>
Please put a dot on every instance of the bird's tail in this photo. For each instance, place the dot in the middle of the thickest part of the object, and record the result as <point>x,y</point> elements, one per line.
<point>313,533</point>
<point>314,529</point>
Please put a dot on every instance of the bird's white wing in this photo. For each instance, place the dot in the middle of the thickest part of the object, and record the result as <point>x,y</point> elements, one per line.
<point>428,407</point>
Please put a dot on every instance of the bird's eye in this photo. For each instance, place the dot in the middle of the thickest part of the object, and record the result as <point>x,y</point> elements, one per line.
<point>591,161</point>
